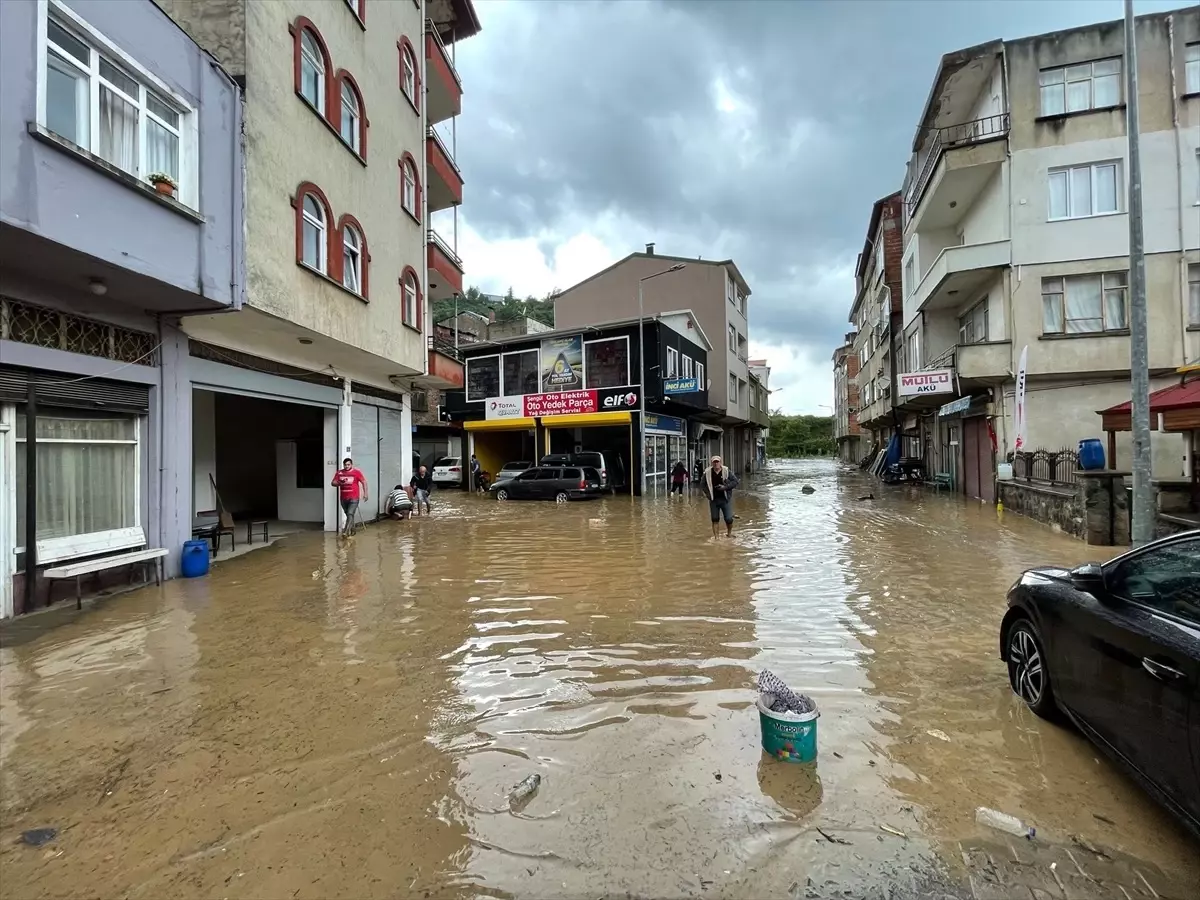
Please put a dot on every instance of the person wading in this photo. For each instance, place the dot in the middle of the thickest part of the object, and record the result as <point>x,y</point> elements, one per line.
<point>678,477</point>
<point>718,485</point>
<point>347,481</point>
<point>422,484</point>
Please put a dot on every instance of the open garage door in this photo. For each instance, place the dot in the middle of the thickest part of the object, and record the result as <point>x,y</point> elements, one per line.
<point>610,433</point>
<point>496,442</point>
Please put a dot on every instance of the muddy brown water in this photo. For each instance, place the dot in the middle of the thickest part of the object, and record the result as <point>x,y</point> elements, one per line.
<point>345,719</point>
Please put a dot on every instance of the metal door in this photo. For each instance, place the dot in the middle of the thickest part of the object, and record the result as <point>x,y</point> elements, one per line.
<point>364,441</point>
<point>971,457</point>
<point>395,466</point>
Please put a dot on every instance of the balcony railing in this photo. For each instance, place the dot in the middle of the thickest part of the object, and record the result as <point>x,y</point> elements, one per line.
<point>446,349</point>
<point>437,139</point>
<point>986,129</point>
<point>431,30</point>
<point>436,240</point>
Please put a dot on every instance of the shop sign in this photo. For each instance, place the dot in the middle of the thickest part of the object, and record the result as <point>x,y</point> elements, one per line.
<point>962,404</point>
<point>564,403</point>
<point>614,399</point>
<point>562,364</point>
<point>932,381</point>
<point>681,385</point>
<point>505,408</point>
<point>656,424</point>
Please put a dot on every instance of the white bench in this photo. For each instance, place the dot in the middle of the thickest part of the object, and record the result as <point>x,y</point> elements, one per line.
<point>94,566</point>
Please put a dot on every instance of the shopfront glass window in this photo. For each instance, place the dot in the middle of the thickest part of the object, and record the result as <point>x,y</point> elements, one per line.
<point>87,472</point>
<point>606,363</point>
<point>520,373</point>
<point>483,378</point>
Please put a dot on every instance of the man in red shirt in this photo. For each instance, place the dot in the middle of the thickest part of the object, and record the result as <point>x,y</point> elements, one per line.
<point>346,480</point>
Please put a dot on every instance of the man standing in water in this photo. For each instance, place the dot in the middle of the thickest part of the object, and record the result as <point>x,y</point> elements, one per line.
<point>718,484</point>
<point>346,480</point>
<point>422,484</point>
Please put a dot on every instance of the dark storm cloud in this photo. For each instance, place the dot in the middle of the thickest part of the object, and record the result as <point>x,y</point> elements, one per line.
<point>575,109</point>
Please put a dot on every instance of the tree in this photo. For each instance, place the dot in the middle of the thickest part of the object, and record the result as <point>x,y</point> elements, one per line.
<point>507,308</point>
<point>796,436</point>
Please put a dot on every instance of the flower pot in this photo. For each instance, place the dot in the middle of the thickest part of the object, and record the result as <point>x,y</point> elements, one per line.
<point>165,187</point>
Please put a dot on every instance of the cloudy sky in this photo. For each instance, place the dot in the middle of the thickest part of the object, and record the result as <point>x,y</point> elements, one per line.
<point>761,130</point>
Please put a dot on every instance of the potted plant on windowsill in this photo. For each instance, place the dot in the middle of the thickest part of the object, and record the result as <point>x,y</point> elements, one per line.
<point>163,183</point>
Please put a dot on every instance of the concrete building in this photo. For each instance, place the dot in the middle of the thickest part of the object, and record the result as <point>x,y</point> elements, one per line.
<point>344,171</point>
<point>760,407</point>
<point>846,430</point>
<point>1016,236</point>
<point>877,316</point>
<point>719,295</point>
<point>97,270</point>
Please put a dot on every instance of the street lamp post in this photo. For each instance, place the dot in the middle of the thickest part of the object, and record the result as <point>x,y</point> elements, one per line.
<point>642,366</point>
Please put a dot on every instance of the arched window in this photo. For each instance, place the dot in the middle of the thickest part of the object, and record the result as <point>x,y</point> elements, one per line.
<point>352,259</point>
<point>351,129</point>
<point>410,187</point>
<point>411,306</point>
<point>408,72</point>
<point>314,244</point>
<point>312,70</point>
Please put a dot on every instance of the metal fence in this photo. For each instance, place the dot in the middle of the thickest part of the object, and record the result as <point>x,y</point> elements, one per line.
<point>1048,466</point>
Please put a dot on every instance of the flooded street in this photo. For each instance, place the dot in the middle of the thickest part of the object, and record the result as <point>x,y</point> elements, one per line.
<point>345,719</point>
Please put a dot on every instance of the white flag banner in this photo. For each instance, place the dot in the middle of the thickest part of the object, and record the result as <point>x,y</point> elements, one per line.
<point>1019,412</point>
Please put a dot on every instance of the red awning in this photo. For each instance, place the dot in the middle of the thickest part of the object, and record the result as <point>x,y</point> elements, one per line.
<point>1179,396</point>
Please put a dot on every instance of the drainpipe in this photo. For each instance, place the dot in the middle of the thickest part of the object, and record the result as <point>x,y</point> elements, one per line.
<point>30,491</point>
<point>1184,312</point>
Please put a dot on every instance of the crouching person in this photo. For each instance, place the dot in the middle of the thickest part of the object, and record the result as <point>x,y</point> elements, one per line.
<point>399,503</point>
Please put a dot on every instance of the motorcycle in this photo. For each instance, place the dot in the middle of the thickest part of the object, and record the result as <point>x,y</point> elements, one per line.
<point>483,482</point>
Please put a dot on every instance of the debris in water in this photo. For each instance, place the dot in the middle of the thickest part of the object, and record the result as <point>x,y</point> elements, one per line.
<point>525,790</point>
<point>778,697</point>
<point>37,837</point>
<point>939,734</point>
<point>1084,844</point>
<point>808,489</point>
<point>1004,822</point>
<point>1105,819</point>
<point>830,838</point>
<point>838,755</point>
<point>897,832</point>
<point>717,775</point>
<point>870,496</point>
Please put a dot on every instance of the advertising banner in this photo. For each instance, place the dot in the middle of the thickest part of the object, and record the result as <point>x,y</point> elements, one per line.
<point>931,381</point>
<point>562,364</point>
<point>564,403</point>
<point>504,408</point>
<point>1019,416</point>
<point>656,424</point>
<point>681,385</point>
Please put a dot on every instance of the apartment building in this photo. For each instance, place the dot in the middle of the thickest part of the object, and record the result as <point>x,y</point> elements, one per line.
<point>344,170</point>
<point>760,406</point>
<point>846,430</point>
<point>1016,236</point>
<point>97,267</point>
<point>718,294</point>
<point>877,315</point>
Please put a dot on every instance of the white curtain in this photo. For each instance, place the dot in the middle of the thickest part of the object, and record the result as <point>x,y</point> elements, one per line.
<point>162,150</point>
<point>118,131</point>
<point>1084,302</point>
<point>1052,318</point>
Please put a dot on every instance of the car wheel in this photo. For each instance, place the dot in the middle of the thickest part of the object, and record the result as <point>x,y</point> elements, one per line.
<point>502,494</point>
<point>1028,669</point>
<point>562,497</point>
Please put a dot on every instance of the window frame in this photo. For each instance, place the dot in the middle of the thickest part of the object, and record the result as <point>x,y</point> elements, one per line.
<point>1191,68</point>
<point>406,48</point>
<point>733,388</point>
<point>969,317</point>
<point>324,74</point>
<point>343,80</point>
<point>1193,273</point>
<point>148,83</point>
<point>686,363</point>
<point>325,228</point>
<point>1065,81</point>
<point>407,164</point>
<point>1068,173</point>
<point>358,8</point>
<point>672,362</point>
<point>474,360</point>
<point>701,383</point>
<point>536,353</point>
<point>587,384</point>
<point>349,224</point>
<point>1105,288</point>
<point>418,300</point>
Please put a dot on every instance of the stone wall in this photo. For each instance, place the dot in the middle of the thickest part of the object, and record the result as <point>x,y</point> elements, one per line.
<point>1060,507</point>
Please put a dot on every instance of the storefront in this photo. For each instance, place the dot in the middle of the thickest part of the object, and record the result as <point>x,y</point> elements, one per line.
<point>666,444</point>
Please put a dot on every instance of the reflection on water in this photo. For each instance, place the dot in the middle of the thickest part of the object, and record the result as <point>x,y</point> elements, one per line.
<point>329,718</point>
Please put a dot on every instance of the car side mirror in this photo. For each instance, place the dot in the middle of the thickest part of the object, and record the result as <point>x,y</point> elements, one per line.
<point>1089,577</point>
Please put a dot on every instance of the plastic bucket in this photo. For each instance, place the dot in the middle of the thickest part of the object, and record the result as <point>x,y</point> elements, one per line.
<point>791,737</point>
<point>194,561</point>
<point>1091,454</point>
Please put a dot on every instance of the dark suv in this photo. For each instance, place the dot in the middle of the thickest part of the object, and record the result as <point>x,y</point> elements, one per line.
<point>609,478</point>
<point>550,483</point>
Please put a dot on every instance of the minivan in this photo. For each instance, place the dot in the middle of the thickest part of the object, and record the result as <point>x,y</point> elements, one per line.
<point>610,479</point>
<point>550,483</point>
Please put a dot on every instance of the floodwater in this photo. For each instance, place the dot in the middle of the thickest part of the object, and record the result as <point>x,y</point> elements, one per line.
<point>345,719</point>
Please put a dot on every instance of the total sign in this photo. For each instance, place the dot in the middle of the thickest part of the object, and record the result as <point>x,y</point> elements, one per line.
<point>504,408</point>
<point>931,381</point>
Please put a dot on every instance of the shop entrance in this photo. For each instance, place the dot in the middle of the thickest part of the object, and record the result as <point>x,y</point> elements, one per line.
<point>496,442</point>
<point>610,433</point>
<point>662,452</point>
<point>265,460</point>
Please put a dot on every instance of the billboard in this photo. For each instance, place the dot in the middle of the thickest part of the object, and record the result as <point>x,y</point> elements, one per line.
<point>681,385</point>
<point>562,364</point>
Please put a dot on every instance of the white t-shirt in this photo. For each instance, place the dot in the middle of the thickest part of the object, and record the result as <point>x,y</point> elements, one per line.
<point>399,499</point>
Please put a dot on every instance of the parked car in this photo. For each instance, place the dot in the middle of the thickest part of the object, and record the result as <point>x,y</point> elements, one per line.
<point>1116,648</point>
<point>448,470</point>
<point>609,478</point>
<point>550,483</point>
<point>512,469</point>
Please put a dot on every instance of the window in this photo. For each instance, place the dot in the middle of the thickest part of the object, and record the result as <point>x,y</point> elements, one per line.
<point>352,259</point>
<point>1091,85</point>
<point>672,362</point>
<point>87,474</point>
<point>700,382</point>
<point>606,363</point>
<point>410,191</point>
<point>483,377</point>
<point>733,339</point>
<point>1166,578</point>
<point>521,373</point>
<point>910,275</point>
<point>358,7</point>
<point>1191,67</point>
<point>913,352</point>
<point>314,243</point>
<point>410,288</point>
<point>1079,191</point>
<point>730,289</point>
<point>409,76</point>
<point>1194,294</point>
<point>351,127</point>
<point>687,367</point>
<point>733,392</point>
<point>312,70</point>
<point>99,100</point>
<point>878,257</point>
<point>1080,304</point>
<point>973,327</point>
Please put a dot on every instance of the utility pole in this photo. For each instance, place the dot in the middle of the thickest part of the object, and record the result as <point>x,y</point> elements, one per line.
<point>641,451</point>
<point>1142,514</point>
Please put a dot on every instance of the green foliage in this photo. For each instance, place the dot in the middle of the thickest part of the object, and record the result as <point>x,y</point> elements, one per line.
<point>796,436</point>
<point>507,308</point>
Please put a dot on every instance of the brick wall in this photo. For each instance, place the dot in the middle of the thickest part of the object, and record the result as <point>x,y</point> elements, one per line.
<point>891,225</point>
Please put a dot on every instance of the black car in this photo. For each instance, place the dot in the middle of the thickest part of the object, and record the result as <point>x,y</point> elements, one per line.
<point>1116,647</point>
<point>550,483</point>
<point>609,478</point>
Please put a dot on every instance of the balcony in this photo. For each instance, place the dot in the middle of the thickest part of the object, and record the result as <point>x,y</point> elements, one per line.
<point>987,361</point>
<point>445,180</point>
<point>957,273</point>
<point>445,368</point>
<point>445,268</point>
<point>443,100</point>
<point>961,159</point>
